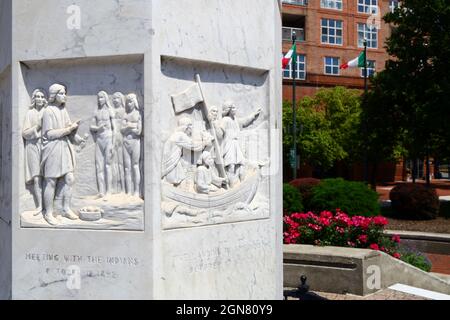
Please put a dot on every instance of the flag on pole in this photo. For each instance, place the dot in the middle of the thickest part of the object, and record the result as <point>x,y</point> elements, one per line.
<point>291,55</point>
<point>187,99</point>
<point>357,62</point>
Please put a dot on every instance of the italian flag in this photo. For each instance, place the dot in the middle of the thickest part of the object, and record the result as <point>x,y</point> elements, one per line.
<point>357,62</point>
<point>291,55</point>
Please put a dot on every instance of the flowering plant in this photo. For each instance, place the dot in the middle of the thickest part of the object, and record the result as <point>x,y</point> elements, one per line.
<point>339,229</point>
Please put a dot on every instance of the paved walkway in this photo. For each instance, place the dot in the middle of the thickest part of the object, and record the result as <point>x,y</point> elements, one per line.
<point>386,294</point>
<point>440,263</point>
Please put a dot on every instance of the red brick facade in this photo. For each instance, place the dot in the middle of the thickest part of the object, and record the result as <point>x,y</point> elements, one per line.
<point>309,17</point>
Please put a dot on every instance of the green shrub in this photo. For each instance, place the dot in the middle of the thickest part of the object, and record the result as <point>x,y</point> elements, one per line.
<point>354,198</point>
<point>292,199</point>
<point>414,201</point>
<point>415,258</point>
<point>305,186</point>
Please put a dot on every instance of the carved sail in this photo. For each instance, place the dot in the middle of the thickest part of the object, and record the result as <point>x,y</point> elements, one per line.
<point>243,193</point>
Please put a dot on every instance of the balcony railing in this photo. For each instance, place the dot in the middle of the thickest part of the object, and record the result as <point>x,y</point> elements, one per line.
<point>287,33</point>
<point>297,2</point>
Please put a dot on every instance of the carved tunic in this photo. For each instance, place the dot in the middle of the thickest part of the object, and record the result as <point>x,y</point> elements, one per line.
<point>173,168</point>
<point>33,144</point>
<point>231,150</point>
<point>58,156</point>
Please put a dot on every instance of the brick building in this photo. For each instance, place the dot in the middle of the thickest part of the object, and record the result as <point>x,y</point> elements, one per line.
<point>330,33</point>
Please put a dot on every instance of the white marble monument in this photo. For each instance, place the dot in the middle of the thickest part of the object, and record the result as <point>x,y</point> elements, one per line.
<point>140,149</point>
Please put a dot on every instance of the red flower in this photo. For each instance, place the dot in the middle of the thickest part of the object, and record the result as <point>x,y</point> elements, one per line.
<point>314,227</point>
<point>362,222</point>
<point>374,246</point>
<point>396,238</point>
<point>351,244</point>
<point>325,221</point>
<point>397,255</point>
<point>380,221</point>
<point>362,238</point>
<point>326,215</point>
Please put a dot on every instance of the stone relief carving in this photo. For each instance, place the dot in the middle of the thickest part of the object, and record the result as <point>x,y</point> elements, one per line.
<point>59,134</point>
<point>119,113</point>
<point>206,178</point>
<point>103,130</point>
<point>50,160</point>
<point>32,135</point>
<point>132,131</point>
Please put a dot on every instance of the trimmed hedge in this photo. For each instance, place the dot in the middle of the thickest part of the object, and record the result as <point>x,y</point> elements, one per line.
<point>292,199</point>
<point>305,186</point>
<point>414,201</point>
<point>354,198</point>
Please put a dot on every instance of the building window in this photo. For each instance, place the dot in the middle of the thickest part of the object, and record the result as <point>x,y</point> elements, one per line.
<point>331,4</point>
<point>370,34</point>
<point>331,31</point>
<point>331,65</point>
<point>287,34</point>
<point>370,69</point>
<point>368,6</point>
<point>393,4</point>
<point>300,68</point>
<point>297,2</point>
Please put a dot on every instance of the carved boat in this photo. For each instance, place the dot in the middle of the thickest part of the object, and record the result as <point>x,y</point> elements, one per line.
<point>243,193</point>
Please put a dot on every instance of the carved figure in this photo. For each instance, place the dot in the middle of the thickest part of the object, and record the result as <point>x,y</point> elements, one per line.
<point>33,145</point>
<point>119,113</point>
<point>58,156</point>
<point>102,128</point>
<point>132,131</point>
<point>207,178</point>
<point>233,156</point>
<point>173,165</point>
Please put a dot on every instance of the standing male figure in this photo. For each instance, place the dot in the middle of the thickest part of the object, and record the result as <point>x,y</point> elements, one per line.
<point>233,156</point>
<point>58,156</point>
<point>103,129</point>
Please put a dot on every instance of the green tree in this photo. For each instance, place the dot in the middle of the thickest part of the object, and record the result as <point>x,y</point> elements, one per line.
<point>411,92</point>
<point>329,123</point>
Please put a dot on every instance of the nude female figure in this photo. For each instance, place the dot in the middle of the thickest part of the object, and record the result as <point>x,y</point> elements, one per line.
<point>132,131</point>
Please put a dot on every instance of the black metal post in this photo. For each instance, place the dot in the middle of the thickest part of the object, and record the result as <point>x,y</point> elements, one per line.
<point>294,108</point>
<point>427,166</point>
<point>366,158</point>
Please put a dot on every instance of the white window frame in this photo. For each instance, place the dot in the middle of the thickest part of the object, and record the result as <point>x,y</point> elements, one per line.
<point>367,8</point>
<point>331,4</point>
<point>393,4</point>
<point>298,70</point>
<point>325,65</point>
<point>371,66</point>
<point>367,34</point>
<point>329,28</point>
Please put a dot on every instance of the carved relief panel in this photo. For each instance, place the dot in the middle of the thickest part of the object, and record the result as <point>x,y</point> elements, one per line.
<point>211,171</point>
<point>82,145</point>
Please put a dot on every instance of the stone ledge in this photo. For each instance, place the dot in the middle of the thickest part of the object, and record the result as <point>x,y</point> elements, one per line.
<point>427,242</point>
<point>328,270</point>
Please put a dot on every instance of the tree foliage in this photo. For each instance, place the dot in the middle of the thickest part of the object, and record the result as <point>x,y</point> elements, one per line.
<point>327,126</point>
<point>409,98</point>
